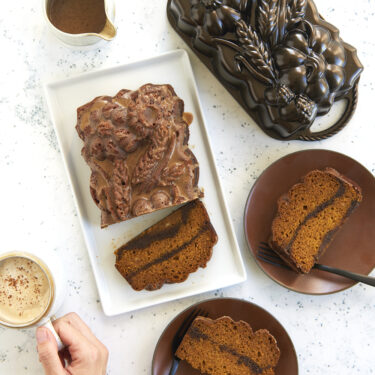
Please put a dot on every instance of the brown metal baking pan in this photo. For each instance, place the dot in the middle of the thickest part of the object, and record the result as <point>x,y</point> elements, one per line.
<point>279,59</point>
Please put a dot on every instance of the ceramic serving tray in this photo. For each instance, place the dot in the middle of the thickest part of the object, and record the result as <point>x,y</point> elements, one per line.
<point>63,98</point>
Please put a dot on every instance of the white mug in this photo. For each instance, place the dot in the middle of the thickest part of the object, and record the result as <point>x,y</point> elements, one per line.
<point>52,268</point>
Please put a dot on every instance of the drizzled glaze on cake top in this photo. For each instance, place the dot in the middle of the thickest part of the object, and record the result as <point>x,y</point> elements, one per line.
<point>136,144</point>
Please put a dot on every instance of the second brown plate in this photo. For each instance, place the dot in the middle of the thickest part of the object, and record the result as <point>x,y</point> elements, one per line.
<point>353,247</point>
<point>238,310</point>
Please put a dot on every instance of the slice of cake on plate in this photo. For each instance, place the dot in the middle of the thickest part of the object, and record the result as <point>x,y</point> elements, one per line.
<point>223,346</point>
<point>168,251</point>
<point>309,216</point>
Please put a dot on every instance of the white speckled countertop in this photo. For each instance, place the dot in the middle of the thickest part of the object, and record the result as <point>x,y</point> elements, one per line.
<point>332,334</point>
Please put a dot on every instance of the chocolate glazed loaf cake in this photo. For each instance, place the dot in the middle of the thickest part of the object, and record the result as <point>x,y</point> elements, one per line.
<point>136,144</point>
<point>170,250</point>
<point>310,214</point>
<point>223,346</point>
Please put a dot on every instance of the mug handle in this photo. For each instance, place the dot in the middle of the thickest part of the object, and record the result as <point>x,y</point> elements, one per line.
<point>48,324</point>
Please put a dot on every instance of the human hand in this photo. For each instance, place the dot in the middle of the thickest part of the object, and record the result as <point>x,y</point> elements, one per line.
<point>84,353</point>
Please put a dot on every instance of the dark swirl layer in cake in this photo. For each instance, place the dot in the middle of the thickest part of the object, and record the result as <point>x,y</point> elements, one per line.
<point>309,216</point>
<point>170,250</point>
<point>225,346</point>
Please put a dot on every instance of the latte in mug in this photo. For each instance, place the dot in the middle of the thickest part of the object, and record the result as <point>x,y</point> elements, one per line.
<point>25,291</point>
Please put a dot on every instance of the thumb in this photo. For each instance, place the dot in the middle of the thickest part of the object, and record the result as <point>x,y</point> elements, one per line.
<point>48,355</point>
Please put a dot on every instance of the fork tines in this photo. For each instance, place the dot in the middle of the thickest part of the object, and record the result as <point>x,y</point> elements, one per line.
<point>185,326</point>
<point>266,254</point>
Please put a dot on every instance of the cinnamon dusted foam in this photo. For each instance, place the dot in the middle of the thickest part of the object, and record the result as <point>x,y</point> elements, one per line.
<point>24,290</point>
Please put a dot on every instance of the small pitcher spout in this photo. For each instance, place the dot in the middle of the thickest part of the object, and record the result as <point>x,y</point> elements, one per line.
<point>109,31</point>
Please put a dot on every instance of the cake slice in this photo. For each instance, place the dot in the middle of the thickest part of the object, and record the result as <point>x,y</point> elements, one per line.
<point>223,346</point>
<point>170,250</point>
<point>136,145</point>
<point>310,214</point>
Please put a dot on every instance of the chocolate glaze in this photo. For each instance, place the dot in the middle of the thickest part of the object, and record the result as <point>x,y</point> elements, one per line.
<point>196,334</point>
<point>188,117</point>
<point>136,144</point>
<point>280,60</point>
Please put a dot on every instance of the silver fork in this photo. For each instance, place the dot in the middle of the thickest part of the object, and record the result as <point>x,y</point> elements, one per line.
<point>180,335</point>
<point>266,254</point>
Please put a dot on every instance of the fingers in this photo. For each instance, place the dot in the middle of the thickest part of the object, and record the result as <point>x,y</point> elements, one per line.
<point>88,355</point>
<point>48,355</point>
<point>69,335</point>
<point>75,321</point>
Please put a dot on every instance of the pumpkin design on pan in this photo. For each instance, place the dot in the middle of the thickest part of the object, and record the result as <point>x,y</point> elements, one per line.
<point>310,62</point>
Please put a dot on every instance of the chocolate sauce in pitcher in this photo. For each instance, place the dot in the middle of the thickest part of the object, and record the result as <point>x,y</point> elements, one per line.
<point>77,16</point>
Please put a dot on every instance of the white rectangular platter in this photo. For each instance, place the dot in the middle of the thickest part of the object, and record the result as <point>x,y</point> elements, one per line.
<point>64,97</point>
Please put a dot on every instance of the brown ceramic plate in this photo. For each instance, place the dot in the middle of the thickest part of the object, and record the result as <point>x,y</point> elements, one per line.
<point>238,310</point>
<point>352,248</point>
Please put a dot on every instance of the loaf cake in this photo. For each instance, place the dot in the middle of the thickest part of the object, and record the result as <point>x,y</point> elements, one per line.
<point>136,144</point>
<point>223,347</point>
<point>310,214</point>
<point>170,250</point>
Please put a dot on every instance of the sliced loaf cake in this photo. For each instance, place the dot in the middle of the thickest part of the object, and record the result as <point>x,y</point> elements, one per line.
<point>170,250</point>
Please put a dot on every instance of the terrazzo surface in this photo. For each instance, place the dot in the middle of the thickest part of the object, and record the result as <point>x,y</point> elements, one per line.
<point>332,334</point>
